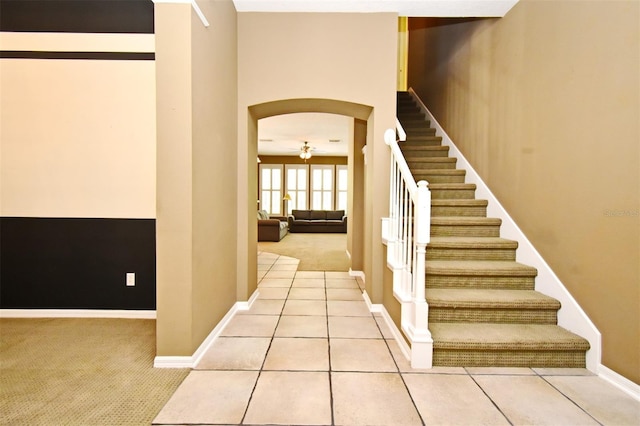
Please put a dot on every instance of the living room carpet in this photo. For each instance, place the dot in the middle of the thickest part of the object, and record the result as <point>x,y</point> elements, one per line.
<point>81,371</point>
<point>316,252</point>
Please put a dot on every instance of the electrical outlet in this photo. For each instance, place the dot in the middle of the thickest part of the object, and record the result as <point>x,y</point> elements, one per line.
<point>131,279</point>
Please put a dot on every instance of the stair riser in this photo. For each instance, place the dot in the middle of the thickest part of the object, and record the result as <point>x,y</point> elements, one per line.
<point>432,178</point>
<point>417,155</point>
<point>492,315</point>
<point>415,123</point>
<point>419,131</point>
<point>453,194</point>
<point>441,253</point>
<point>464,231</point>
<point>412,116</point>
<point>507,358</point>
<point>479,282</point>
<point>421,140</point>
<point>418,168</point>
<point>459,211</point>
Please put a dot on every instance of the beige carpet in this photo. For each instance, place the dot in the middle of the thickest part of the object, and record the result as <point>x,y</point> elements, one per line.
<point>81,372</point>
<point>316,252</point>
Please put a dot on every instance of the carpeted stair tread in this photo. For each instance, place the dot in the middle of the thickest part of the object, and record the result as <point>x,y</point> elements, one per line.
<point>489,299</point>
<point>423,149</point>
<point>495,268</point>
<point>450,186</point>
<point>483,336</point>
<point>459,203</point>
<point>472,242</point>
<point>439,172</point>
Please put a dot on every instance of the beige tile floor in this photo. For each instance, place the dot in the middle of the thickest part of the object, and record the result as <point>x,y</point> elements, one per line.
<point>309,352</point>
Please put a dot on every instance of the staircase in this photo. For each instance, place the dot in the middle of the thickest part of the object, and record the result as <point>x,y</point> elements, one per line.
<point>483,309</point>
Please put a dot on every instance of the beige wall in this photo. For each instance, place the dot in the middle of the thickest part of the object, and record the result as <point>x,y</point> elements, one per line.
<point>339,57</point>
<point>544,103</point>
<point>77,136</point>
<point>196,198</point>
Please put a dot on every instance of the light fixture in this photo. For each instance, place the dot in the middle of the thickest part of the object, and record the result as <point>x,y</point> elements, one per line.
<point>305,151</point>
<point>259,161</point>
<point>286,200</point>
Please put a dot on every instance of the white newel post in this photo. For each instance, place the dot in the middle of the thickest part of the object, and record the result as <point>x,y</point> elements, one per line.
<point>422,344</point>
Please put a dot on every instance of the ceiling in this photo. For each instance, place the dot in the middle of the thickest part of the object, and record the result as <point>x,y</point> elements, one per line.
<point>412,8</point>
<point>327,134</point>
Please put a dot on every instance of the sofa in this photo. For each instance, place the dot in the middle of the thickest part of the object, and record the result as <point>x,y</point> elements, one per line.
<point>317,221</point>
<point>271,229</point>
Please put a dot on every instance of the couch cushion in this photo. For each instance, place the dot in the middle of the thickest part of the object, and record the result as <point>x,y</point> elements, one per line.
<point>262,214</point>
<point>335,214</point>
<point>318,215</point>
<point>301,214</point>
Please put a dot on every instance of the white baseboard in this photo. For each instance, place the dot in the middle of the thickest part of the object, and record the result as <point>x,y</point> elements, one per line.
<point>77,313</point>
<point>359,274</point>
<point>397,334</point>
<point>619,381</point>
<point>193,360</point>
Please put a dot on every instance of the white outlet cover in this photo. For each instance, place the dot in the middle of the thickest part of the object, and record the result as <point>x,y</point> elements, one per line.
<point>131,279</point>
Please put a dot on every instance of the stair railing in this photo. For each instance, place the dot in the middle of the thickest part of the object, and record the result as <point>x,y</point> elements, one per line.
<point>407,235</point>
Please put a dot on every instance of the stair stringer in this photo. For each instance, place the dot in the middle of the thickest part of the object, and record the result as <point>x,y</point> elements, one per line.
<point>570,316</point>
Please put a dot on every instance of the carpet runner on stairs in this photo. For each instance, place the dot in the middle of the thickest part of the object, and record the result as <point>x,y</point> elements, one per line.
<point>483,309</point>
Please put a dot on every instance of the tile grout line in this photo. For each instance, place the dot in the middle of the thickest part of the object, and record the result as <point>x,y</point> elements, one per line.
<point>566,396</point>
<point>404,383</point>
<point>255,385</point>
<point>326,311</point>
<point>495,404</point>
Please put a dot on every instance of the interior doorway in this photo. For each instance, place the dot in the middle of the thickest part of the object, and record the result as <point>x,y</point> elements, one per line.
<point>359,130</point>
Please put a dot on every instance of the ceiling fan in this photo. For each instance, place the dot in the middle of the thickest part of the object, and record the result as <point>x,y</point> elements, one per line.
<point>305,151</point>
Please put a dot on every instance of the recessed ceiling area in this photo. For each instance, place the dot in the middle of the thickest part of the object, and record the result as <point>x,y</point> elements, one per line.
<point>327,134</point>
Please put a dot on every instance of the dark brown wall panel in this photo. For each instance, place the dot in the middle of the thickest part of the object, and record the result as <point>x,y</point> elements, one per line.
<point>77,16</point>
<point>77,263</point>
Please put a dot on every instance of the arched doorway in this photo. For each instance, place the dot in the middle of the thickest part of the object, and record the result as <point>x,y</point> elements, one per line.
<point>247,241</point>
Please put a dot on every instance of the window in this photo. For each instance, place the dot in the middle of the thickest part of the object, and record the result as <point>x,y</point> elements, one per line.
<point>297,187</point>
<point>341,188</point>
<point>322,187</point>
<point>271,188</point>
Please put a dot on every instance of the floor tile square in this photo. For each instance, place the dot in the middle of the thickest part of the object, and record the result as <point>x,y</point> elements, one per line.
<point>235,353</point>
<point>337,275</point>
<point>300,398</point>
<point>251,326</point>
<point>288,260</point>
<point>280,274</point>
<point>310,274</point>
<point>606,403</point>
<point>218,397</point>
<point>372,399</point>
<point>308,283</point>
<point>284,266</point>
<point>347,308</point>
<point>273,293</point>
<point>275,282</point>
<point>534,402</point>
<point>302,326</point>
<point>510,371</point>
<point>298,354</point>
<point>307,293</point>
<point>343,294</point>
<point>264,307</point>
<point>305,307</point>
<point>452,399</point>
<point>342,283</point>
<point>361,355</point>
<point>385,329</point>
<point>353,327</point>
